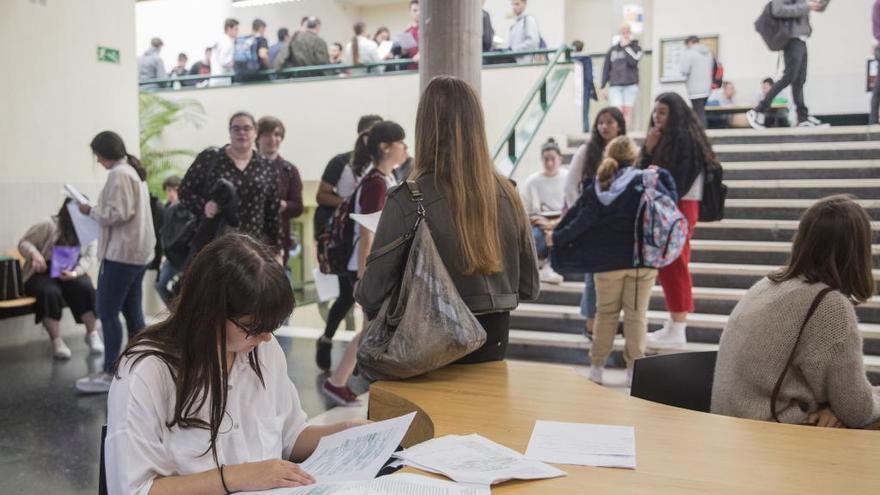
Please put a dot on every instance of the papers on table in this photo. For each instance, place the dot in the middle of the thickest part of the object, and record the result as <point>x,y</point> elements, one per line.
<point>357,454</point>
<point>583,444</point>
<point>398,484</point>
<point>474,459</point>
<point>76,195</point>
<point>326,285</point>
<point>370,221</point>
<point>87,229</point>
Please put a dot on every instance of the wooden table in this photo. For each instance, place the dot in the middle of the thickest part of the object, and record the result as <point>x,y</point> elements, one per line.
<point>678,451</point>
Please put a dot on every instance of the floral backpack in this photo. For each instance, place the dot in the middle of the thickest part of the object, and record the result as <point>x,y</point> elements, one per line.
<point>661,228</point>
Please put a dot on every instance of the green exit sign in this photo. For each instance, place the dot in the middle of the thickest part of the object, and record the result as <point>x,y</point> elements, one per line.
<point>109,55</point>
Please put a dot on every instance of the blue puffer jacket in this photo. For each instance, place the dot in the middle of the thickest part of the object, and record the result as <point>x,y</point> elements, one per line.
<point>598,233</point>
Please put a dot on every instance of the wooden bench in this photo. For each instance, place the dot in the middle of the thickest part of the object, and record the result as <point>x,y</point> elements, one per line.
<point>22,305</point>
<point>677,450</point>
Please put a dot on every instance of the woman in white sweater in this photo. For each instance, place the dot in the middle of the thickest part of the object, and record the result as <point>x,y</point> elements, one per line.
<point>825,384</point>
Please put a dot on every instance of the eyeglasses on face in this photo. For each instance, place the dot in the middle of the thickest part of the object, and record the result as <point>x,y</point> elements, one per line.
<point>241,128</point>
<point>249,331</point>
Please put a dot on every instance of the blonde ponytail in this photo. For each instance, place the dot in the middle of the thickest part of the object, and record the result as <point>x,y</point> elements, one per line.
<point>605,174</point>
<point>621,151</point>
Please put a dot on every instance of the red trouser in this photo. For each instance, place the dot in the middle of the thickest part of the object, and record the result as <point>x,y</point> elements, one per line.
<point>676,278</point>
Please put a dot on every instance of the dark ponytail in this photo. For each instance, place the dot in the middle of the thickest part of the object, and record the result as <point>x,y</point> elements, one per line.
<point>109,145</point>
<point>359,28</point>
<point>366,149</point>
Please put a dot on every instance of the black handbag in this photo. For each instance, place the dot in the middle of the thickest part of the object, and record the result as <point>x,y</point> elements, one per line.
<point>11,285</point>
<point>775,31</point>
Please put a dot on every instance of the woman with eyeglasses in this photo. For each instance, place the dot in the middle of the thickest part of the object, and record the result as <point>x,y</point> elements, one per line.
<point>201,402</point>
<point>235,186</point>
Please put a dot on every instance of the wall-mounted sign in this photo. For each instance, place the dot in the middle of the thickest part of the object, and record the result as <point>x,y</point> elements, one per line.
<point>109,55</point>
<point>670,56</point>
<point>634,15</point>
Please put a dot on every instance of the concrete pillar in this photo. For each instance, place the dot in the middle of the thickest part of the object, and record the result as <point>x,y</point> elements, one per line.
<point>449,44</point>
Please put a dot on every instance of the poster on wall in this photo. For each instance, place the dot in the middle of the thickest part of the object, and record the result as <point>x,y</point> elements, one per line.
<point>634,15</point>
<point>871,72</point>
<point>671,50</point>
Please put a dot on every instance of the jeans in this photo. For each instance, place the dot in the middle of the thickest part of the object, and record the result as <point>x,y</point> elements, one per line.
<point>699,105</point>
<point>166,273</point>
<point>875,94</point>
<point>795,75</point>
<point>540,243</point>
<point>119,289</point>
<point>588,299</point>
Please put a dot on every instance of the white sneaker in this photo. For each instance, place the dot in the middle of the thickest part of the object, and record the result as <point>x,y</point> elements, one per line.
<point>756,119</point>
<point>629,377</point>
<point>99,383</point>
<point>672,336</point>
<point>596,374</point>
<point>60,349</point>
<point>813,122</point>
<point>548,276</point>
<point>93,340</point>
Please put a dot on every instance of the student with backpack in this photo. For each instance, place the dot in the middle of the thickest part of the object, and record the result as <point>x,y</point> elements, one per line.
<point>596,236</point>
<point>698,66</point>
<point>377,152</point>
<point>524,33</point>
<point>251,53</point>
<point>785,25</point>
<point>678,143</point>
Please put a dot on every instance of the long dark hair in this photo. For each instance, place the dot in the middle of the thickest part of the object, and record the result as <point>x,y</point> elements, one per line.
<point>233,277</point>
<point>66,233</point>
<point>366,148</point>
<point>596,146</point>
<point>682,129</point>
<point>110,146</point>
<point>833,246</point>
<point>359,28</point>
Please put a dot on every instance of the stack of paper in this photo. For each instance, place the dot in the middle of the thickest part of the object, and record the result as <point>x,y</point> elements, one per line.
<point>583,444</point>
<point>398,484</point>
<point>474,459</point>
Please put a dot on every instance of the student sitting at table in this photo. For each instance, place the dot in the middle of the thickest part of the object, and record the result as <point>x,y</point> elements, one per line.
<point>825,383</point>
<point>202,402</point>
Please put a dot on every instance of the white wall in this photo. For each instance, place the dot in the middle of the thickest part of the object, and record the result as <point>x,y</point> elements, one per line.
<point>54,104</point>
<point>840,45</point>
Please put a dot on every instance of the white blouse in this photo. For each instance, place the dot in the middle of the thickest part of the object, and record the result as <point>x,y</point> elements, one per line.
<point>260,424</point>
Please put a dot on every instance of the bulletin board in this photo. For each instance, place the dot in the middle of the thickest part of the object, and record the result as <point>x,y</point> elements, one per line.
<point>670,56</point>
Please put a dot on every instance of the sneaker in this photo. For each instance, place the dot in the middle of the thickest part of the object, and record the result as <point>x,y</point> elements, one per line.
<point>596,374</point>
<point>322,353</point>
<point>548,276</point>
<point>813,122</point>
<point>672,336</point>
<point>756,119</point>
<point>93,340</point>
<point>342,396</point>
<point>60,349</point>
<point>99,383</point>
<point>629,377</point>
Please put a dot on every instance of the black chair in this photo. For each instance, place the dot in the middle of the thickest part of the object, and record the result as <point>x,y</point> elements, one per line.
<point>681,379</point>
<point>102,478</point>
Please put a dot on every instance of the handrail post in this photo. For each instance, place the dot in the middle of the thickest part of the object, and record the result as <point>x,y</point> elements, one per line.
<point>511,145</point>
<point>544,94</point>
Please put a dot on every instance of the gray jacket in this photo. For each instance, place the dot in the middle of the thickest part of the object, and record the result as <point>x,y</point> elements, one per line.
<point>150,66</point>
<point>483,294</point>
<point>796,10</point>
<point>696,64</point>
<point>123,211</point>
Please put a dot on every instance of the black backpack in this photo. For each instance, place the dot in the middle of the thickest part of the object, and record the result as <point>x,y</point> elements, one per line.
<point>178,228</point>
<point>714,194</point>
<point>775,31</point>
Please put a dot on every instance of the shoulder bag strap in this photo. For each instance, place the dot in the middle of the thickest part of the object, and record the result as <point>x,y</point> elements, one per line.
<point>819,297</point>
<point>416,195</point>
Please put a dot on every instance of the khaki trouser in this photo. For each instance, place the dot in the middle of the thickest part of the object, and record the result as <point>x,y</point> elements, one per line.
<point>629,290</point>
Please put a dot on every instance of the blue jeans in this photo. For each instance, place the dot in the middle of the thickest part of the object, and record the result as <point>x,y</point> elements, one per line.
<point>166,273</point>
<point>119,289</point>
<point>540,243</point>
<point>588,300</point>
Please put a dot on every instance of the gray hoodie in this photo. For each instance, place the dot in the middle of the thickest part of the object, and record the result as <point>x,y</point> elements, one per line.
<point>696,64</point>
<point>799,13</point>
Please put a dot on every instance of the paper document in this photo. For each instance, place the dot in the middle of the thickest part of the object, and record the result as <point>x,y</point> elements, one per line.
<point>583,444</point>
<point>370,221</point>
<point>76,195</point>
<point>87,229</point>
<point>326,285</point>
<point>475,459</point>
<point>397,484</point>
<point>357,454</point>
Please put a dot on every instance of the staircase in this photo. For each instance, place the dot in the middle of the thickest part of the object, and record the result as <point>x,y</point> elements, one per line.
<point>772,176</point>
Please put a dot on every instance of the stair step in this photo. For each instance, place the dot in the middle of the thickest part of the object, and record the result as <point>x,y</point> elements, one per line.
<point>725,251</point>
<point>864,188</point>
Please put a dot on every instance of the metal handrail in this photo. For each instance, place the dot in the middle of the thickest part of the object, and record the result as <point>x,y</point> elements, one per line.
<point>508,137</point>
<point>293,71</point>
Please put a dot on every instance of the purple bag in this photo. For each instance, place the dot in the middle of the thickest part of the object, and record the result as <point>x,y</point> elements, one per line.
<point>64,258</point>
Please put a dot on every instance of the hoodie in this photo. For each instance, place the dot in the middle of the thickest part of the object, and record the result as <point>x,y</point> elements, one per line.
<point>621,67</point>
<point>697,63</point>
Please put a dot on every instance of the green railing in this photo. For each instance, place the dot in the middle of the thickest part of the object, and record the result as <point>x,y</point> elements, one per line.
<point>331,71</point>
<point>522,129</point>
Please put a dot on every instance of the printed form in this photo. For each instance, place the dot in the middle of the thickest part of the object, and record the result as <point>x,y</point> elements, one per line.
<point>583,444</point>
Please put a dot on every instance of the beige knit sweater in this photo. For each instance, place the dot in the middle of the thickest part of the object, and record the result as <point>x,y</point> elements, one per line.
<point>827,368</point>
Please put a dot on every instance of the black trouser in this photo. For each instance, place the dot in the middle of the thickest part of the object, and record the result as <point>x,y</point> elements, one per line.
<point>52,293</point>
<point>342,305</point>
<point>497,327</point>
<point>875,95</point>
<point>699,105</point>
<point>795,75</point>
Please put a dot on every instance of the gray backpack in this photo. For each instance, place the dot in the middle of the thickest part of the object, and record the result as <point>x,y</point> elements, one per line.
<point>775,31</point>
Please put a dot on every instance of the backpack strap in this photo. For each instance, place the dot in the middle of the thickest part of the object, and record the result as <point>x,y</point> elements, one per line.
<point>416,195</point>
<point>776,388</point>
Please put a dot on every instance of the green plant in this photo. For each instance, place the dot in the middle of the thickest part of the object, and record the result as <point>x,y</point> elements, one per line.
<point>156,114</point>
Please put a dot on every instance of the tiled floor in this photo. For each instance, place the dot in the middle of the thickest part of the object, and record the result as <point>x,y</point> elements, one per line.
<point>50,435</point>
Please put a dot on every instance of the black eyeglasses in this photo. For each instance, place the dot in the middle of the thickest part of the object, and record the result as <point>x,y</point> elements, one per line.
<point>251,332</point>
